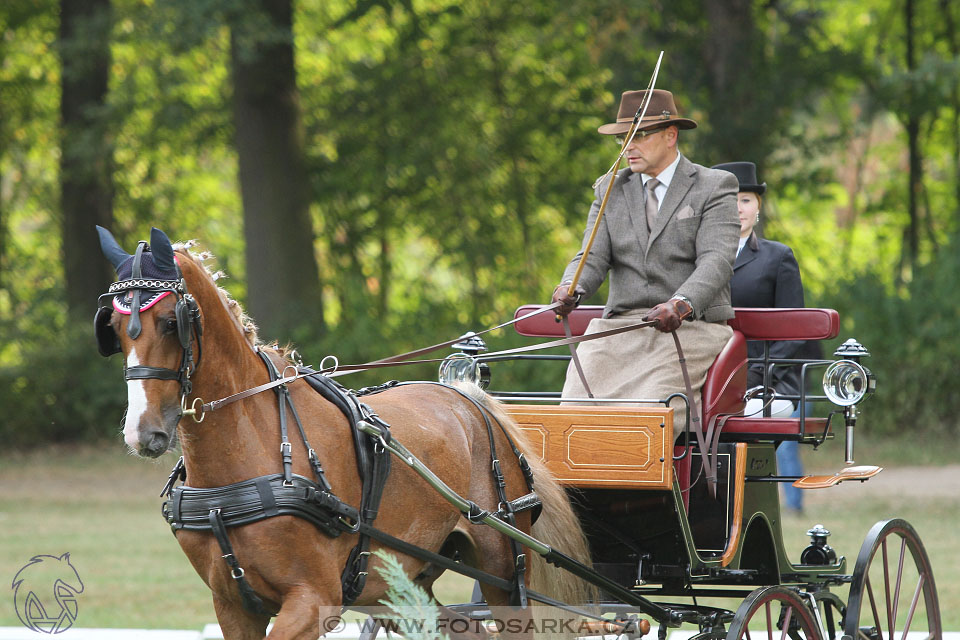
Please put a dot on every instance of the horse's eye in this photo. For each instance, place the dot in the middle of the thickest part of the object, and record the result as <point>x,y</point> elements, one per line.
<point>170,326</point>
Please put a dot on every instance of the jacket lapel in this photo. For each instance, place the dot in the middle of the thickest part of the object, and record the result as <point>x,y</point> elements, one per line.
<point>683,179</point>
<point>632,186</point>
<point>749,253</point>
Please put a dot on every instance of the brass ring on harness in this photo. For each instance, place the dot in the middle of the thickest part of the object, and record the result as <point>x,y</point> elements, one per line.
<point>193,410</point>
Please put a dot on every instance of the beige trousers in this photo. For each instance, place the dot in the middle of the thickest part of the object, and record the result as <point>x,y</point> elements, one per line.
<point>643,364</point>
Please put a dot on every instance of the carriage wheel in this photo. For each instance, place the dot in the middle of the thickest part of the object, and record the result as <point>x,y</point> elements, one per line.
<point>774,613</point>
<point>888,593</point>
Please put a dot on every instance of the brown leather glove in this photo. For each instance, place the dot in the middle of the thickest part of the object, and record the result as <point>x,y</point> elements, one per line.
<point>668,315</point>
<point>568,304</point>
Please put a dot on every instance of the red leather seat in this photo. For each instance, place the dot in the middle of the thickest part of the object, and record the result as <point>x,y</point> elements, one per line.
<point>726,382</point>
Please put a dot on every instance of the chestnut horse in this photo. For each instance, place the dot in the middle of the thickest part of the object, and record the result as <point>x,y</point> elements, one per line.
<point>293,566</point>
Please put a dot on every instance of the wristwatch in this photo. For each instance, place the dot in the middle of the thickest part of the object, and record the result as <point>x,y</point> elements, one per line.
<point>685,299</point>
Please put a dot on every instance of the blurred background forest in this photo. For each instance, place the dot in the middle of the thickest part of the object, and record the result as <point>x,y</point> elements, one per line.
<point>379,175</point>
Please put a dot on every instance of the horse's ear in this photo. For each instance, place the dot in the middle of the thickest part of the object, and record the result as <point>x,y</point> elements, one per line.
<point>162,250</point>
<point>111,249</point>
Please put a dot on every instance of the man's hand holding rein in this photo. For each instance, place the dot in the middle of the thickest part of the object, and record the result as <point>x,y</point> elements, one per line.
<point>668,315</point>
<point>568,303</point>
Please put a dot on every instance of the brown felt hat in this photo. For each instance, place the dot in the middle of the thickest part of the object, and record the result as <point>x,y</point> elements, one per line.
<point>660,112</point>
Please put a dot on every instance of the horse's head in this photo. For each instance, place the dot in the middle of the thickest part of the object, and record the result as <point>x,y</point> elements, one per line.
<point>149,316</point>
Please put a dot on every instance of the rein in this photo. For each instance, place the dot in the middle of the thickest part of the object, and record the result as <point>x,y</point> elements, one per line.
<point>395,361</point>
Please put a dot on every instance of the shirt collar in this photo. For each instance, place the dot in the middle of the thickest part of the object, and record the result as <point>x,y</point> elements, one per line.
<point>666,176</point>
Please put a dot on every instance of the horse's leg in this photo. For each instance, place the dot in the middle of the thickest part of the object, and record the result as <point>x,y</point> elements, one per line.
<point>303,616</point>
<point>237,623</point>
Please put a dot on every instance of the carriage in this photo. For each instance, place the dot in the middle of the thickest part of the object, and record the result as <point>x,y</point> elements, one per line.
<point>288,531</point>
<point>659,530</point>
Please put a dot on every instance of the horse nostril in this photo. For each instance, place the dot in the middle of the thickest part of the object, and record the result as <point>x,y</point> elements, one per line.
<point>154,443</point>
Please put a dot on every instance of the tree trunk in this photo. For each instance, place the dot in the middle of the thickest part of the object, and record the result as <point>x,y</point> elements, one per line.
<point>284,290</point>
<point>915,160</point>
<point>950,29</point>
<point>86,151</point>
<point>731,54</point>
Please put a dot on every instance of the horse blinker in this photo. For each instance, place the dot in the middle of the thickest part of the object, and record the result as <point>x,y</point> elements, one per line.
<point>107,341</point>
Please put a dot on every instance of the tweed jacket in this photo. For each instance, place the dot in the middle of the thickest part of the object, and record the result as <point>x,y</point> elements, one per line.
<point>766,275</point>
<point>689,251</point>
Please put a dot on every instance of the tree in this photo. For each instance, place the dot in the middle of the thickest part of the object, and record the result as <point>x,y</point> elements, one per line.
<point>86,163</point>
<point>284,289</point>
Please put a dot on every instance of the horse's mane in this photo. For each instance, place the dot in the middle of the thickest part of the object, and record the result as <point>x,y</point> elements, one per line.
<point>199,259</point>
<point>245,322</point>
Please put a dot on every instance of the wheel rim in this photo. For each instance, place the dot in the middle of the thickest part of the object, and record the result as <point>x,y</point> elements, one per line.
<point>773,613</point>
<point>893,591</point>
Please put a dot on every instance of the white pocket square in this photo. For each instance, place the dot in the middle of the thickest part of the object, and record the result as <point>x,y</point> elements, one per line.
<point>685,212</point>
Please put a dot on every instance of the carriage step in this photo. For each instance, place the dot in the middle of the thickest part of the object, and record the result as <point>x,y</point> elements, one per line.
<point>861,473</point>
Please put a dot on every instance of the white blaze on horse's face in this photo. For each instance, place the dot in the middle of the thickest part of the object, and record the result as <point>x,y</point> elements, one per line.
<point>136,405</point>
<point>153,405</point>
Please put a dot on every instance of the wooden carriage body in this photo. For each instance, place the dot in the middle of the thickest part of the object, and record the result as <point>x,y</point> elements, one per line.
<point>649,527</point>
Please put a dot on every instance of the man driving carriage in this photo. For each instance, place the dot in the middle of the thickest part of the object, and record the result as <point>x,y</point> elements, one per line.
<point>668,240</point>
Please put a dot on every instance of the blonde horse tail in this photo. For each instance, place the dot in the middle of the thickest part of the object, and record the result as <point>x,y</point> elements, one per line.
<point>558,525</point>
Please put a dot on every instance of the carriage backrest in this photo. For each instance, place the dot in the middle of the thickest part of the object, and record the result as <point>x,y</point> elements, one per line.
<point>725,385</point>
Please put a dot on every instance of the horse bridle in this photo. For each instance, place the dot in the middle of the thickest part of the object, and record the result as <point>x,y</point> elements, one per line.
<point>189,327</point>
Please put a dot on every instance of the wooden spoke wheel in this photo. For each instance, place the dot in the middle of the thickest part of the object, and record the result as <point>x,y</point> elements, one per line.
<point>893,589</point>
<point>774,613</point>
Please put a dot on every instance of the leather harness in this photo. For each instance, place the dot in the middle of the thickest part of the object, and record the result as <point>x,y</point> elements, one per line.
<point>218,508</point>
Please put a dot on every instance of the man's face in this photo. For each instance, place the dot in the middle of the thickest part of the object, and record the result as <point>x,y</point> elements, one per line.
<point>653,152</point>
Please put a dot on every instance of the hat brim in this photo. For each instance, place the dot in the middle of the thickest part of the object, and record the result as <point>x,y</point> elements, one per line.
<point>619,128</point>
<point>758,189</point>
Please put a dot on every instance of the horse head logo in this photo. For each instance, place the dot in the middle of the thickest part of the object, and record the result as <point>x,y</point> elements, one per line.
<point>45,593</point>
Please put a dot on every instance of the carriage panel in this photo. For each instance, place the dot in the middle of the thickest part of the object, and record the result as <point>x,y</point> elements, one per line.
<point>603,447</point>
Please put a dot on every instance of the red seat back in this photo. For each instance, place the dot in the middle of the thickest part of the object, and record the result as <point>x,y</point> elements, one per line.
<point>726,381</point>
<point>545,325</point>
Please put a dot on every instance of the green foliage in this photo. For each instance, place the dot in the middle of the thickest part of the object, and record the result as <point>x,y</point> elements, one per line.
<point>911,336</point>
<point>62,392</point>
<point>450,149</point>
<point>408,601</point>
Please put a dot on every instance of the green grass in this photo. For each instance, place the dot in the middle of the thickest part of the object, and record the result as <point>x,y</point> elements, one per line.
<point>101,506</point>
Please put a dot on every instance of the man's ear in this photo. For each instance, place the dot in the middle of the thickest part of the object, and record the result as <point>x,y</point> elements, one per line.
<point>672,134</point>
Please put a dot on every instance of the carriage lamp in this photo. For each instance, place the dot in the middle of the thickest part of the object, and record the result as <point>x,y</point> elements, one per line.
<point>470,345</point>
<point>847,382</point>
<point>819,552</point>
<point>459,367</point>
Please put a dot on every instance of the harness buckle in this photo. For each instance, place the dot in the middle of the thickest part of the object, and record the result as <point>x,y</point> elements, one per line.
<point>352,527</point>
<point>237,573</point>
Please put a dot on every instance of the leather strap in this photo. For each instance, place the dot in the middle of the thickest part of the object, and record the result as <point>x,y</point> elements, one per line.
<point>695,420</point>
<point>575,357</point>
<point>418,352</point>
<point>133,325</point>
<point>251,601</point>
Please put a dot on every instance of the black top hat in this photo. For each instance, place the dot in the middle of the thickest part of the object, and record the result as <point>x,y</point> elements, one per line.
<point>746,173</point>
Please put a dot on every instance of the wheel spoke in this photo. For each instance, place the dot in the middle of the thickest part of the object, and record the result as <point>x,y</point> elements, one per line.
<point>786,623</point>
<point>769,623</point>
<point>873,607</point>
<point>896,592</point>
<point>886,587</point>
<point>913,606</point>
